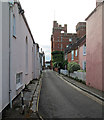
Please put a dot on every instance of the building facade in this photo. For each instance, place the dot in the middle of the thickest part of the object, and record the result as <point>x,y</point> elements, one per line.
<point>95,47</point>
<point>17,57</point>
<point>76,52</point>
<point>60,38</point>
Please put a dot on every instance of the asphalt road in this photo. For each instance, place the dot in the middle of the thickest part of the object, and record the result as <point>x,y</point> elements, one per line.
<point>60,100</point>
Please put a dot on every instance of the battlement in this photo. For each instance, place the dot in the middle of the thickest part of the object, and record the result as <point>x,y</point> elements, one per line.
<point>56,26</point>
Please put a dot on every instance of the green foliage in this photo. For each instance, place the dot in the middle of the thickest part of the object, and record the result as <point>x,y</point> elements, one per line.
<point>57,52</point>
<point>80,71</point>
<point>65,63</point>
<point>73,66</point>
<point>54,64</point>
<point>57,58</point>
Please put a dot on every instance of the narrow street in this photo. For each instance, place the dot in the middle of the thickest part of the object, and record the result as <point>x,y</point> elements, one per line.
<point>60,100</point>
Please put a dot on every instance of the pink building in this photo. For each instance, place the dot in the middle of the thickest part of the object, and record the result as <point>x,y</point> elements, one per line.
<point>82,53</point>
<point>95,47</point>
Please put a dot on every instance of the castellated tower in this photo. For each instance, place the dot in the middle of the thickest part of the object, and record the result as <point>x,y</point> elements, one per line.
<point>60,39</point>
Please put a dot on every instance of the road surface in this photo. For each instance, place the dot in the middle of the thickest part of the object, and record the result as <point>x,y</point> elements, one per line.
<point>60,100</point>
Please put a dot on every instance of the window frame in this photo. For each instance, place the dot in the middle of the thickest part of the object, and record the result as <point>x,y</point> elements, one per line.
<point>76,53</point>
<point>84,65</point>
<point>70,39</point>
<point>19,77</point>
<point>84,49</point>
<point>14,25</point>
<point>72,55</point>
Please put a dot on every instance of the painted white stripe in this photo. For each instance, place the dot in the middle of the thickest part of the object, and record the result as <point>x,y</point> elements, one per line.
<point>83,92</point>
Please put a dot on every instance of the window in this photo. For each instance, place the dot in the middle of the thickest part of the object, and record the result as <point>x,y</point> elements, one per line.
<point>84,65</point>
<point>76,53</point>
<point>58,39</point>
<point>58,45</point>
<point>14,25</point>
<point>18,79</point>
<point>84,49</point>
<point>61,46</point>
<point>70,39</point>
<point>62,31</point>
<point>66,56</point>
<point>61,39</point>
<point>72,55</point>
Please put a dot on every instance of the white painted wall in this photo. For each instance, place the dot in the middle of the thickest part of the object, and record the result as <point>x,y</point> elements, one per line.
<point>33,61</point>
<point>5,54</point>
<point>0,57</point>
<point>37,63</point>
<point>18,50</point>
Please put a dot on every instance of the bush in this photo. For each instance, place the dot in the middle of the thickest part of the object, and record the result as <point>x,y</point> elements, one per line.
<point>80,71</point>
<point>73,66</point>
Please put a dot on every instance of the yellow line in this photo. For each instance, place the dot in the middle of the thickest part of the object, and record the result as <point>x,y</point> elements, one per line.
<point>38,97</point>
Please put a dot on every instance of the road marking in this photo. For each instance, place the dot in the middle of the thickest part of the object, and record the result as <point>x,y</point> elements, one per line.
<point>39,98</point>
<point>83,92</point>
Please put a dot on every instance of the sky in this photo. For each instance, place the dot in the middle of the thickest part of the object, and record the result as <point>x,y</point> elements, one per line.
<point>40,15</point>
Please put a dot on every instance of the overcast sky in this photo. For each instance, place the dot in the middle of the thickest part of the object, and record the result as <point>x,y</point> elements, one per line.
<point>40,15</point>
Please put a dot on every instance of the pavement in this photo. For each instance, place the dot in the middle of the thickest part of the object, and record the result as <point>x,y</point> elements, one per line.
<point>31,99</point>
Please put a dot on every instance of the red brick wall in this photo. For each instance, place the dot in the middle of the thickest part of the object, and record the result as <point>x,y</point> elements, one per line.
<point>56,42</point>
<point>76,58</point>
<point>81,29</point>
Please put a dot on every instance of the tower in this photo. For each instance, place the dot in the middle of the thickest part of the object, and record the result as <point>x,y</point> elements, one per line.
<point>81,29</point>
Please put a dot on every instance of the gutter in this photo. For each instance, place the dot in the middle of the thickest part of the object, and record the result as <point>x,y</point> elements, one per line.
<point>21,11</point>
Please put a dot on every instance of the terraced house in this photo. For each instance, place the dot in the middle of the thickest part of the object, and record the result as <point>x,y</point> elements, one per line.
<point>76,52</point>
<point>18,52</point>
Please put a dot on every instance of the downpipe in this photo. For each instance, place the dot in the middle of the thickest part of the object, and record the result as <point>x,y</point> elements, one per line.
<point>10,39</point>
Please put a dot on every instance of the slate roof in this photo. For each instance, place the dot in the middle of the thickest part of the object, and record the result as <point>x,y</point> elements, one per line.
<point>75,45</point>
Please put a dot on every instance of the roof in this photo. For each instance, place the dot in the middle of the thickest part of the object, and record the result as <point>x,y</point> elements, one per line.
<point>37,45</point>
<point>75,45</point>
<point>25,20</point>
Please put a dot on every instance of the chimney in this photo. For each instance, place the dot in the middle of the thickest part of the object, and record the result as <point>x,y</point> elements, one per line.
<point>55,24</point>
<point>65,27</point>
<point>98,2</point>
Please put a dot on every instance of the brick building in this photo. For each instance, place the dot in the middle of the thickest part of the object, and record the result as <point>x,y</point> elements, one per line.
<point>81,29</point>
<point>76,52</point>
<point>60,38</point>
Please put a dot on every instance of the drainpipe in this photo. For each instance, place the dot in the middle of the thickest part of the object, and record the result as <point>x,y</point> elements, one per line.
<point>10,39</point>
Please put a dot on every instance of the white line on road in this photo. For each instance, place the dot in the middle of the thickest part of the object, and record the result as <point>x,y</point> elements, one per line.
<point>83,92</point>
